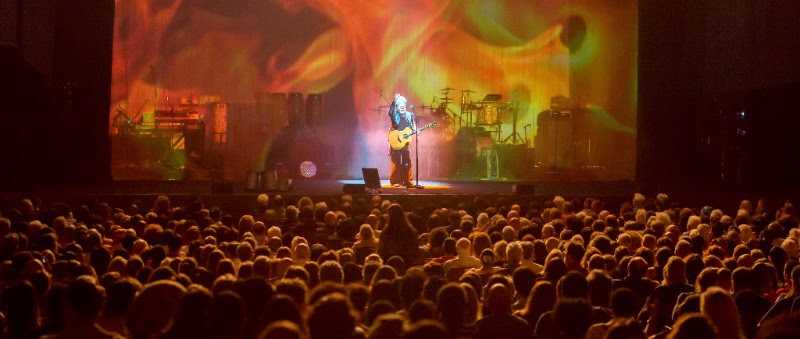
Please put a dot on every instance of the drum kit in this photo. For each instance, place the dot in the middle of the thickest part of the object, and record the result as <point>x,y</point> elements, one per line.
<point>478,131</point>
<point>487,114</point>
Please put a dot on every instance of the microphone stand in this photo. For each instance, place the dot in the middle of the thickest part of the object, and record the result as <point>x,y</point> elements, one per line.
<point>416,151</point>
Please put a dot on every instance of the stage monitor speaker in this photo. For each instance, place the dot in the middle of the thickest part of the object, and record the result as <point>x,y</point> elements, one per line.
<point>222,187</point>
<point>514,161</point>
<point>371,178</point>
<point>523,188</point>
<point>354,188</point>
<point>553,139</point>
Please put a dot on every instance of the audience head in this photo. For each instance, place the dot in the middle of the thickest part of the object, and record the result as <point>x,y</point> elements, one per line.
<point>307,270</point>
<point>692,325</point>
<point>720,308</point>
<point>331,317</point>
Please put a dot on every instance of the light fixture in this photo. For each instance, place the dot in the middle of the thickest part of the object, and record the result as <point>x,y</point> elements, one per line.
<point>308,169</point>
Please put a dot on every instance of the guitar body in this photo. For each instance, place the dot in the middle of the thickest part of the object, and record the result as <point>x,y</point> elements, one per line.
<point>400,138</point>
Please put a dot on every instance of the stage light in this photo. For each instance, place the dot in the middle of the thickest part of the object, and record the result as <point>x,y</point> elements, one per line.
<point>308,169</point>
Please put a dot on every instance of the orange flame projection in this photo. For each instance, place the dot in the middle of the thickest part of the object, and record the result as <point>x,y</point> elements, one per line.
<point>416,50</point>
<point>415,47</point>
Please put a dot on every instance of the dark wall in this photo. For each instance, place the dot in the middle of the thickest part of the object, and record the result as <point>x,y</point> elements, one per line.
<point>23,103</point>
<point>693,57</point>
<point>53,116</point>
<point>81,88</point>
<point>752,44</point>
<point>8,21</point>
<point>671,54</point>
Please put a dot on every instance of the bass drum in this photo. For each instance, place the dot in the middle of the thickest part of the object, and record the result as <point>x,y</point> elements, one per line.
<point>469,142</point>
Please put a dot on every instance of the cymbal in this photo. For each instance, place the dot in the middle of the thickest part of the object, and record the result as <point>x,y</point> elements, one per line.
<point>447,89</point>
<point>467,91</point>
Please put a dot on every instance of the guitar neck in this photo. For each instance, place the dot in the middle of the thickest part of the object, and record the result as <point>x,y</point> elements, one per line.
<point>422,129</point>
<point>419,130</point>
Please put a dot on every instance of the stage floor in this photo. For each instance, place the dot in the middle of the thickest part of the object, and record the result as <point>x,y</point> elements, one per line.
<point>325,187</point>
<point>449,187</point>
<point>235,198</point>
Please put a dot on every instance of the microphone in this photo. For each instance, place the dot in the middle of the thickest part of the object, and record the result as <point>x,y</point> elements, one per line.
<point>410,106</point>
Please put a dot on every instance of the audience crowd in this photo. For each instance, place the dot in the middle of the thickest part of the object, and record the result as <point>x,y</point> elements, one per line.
<point>366,267</point>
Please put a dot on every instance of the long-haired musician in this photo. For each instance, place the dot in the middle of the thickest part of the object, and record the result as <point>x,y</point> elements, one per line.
<point>401,159</point>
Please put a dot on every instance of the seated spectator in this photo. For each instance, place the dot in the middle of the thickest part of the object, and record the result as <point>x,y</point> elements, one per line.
<point>752,306</point>
<point>542,299</point>
<point>689,302</point>
<point>623,307</point>
<point>572,285</point>
<point>153,308</point>
<point>662,301</point>
<point>82,302</point>
<point>226,316</point>
<point>523,279</point>
<point>214,273</point>
<point>636,281</point>
<point>528,254</point>
<point>513,256</point>
<point>426,329</point>
<point>120,296</point>
<point>365,238</point>
<point>572,318</point>
<point>387,326</point>
<point>625,329</point>
<point>282,330</point>
<point>21,311</point>
<point>193,308</point>
<point>499,322</point>
<point>465,261</point>
<point>449,251</point>
<point>331,318</point>
<point>451,302</point>
<point>781,327</point>
<point>488,267</point>
<point>788,302</point>
<point>398,237</point>
<point>693,325</point>
<point>720,308</point>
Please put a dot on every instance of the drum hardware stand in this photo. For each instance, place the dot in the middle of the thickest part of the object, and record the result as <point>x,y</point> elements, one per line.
<point>514,135</point>
<point>466,101</point>
<point>499,131</point>
<point>525,132</point>
<point>444,105</point>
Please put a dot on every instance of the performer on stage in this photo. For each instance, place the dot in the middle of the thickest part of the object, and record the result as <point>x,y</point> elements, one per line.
<point>401,159</point>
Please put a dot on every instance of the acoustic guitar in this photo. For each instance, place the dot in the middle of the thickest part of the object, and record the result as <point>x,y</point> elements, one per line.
<point>400,138</point>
